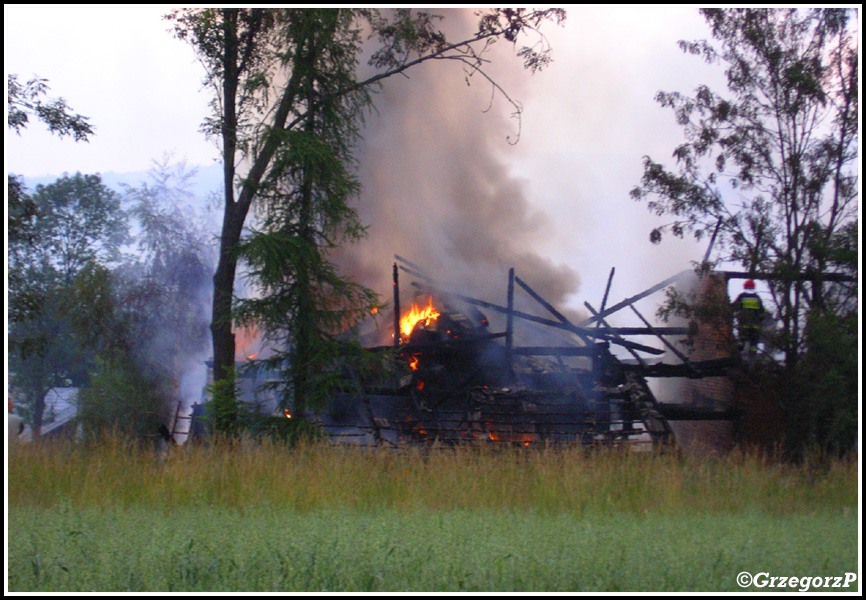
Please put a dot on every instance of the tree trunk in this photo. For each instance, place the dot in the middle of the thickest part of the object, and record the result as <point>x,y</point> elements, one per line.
<point>38,404</point>
<point>305,326</point>
<point>221,318</point>
<point>233,218</point>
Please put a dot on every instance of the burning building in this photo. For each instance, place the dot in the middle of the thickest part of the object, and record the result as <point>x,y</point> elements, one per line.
<point>458,380</point>
<point>454,369</point>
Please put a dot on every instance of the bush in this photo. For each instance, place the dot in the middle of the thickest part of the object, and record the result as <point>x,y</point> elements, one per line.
<point>823,390</point>
<point>120,398</point>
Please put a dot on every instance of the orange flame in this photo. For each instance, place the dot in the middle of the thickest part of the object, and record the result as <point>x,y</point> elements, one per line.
<point>416,314</point>
<point>248,342</point>
<point>413,362</point>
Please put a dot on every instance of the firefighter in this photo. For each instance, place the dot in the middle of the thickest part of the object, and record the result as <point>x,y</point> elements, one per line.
<point>749,312</point>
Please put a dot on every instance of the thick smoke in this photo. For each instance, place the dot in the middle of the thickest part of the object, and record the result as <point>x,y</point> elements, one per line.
<point>437,188</point>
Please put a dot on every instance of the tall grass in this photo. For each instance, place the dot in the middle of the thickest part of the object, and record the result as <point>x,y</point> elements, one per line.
<point>265,516</point>
<point>247,474</point>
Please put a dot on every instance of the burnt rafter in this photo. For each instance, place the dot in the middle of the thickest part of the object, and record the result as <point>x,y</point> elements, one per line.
<point>605,335</point>
<point>829,277</point>
<point>609,329</point>
<point>670,346</point>
<point>457,381</point>
<point>629,301</point>
<point>550,308</point>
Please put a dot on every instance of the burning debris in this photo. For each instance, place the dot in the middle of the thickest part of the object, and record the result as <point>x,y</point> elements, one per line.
<point>458,381</point>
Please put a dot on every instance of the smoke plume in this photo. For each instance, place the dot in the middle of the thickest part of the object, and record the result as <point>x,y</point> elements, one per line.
<point>438,191</point>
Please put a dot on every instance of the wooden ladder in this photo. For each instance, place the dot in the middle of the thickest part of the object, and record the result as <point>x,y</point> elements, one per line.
<point>178,417</point>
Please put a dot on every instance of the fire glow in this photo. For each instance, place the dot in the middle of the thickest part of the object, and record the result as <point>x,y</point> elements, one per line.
<point>410,319</point>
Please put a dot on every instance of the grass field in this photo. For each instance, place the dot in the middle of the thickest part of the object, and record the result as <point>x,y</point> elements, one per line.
<point>264,517</point>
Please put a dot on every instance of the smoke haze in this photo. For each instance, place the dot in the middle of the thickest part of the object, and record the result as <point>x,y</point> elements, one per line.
<point>437,189</point>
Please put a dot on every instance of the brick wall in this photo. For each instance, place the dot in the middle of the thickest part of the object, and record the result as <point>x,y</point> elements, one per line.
<point>713,340</point>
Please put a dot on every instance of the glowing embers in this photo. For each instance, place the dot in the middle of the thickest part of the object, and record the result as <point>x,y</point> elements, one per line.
<point>509,435</point>
<point>426,315</point>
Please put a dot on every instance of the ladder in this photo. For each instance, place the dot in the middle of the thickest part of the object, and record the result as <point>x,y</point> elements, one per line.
<point>175,431</point>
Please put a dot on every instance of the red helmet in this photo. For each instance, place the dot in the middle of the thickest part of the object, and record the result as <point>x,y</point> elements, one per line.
<point>749,285</point>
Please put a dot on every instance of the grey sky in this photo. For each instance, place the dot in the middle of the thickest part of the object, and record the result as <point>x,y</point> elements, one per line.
<point>588,119</point>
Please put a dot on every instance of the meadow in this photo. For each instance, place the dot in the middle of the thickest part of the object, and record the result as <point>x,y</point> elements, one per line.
<point>248,516</point>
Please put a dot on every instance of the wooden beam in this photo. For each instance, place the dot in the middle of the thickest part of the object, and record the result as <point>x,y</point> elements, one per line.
<point>411,265</point>
<point>555,351</point>
<point>396,307</point>
<point>562,319</point>
<point>509,321</point>
<point>551,323</point>
<point>633,299</point>
<point>670,346</point>
<point>832,277</point>
<point>607,327</point>
<point>606,292</point>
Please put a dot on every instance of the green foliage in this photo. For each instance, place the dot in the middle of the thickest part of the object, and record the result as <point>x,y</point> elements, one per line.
<point>162,293</point>
<point>72,228</point>
<point>58,230</point>
<point>705,306</point>
<point>302,301</point>
<point>21,212</point>
<point>77,310</point>
<point>144,318</point>
<point>26,99</point>
<point>221,408</point>
<point>773,164</point>
<point>121,399</point>
<point>823,407</point>
<point>771,168</point>
<point>79,220</point>
<point>288,100</point>
<point>291,431</point>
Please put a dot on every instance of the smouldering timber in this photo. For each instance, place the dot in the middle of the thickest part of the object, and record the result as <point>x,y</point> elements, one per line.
<point>458,380</point>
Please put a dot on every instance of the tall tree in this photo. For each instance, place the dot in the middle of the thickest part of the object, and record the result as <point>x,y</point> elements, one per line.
<point>301,299</point>
<point>78,224</point>
<point>774,163</point>
<point>259,61</point>
<point>23,101</point>
<point>74,221</point>
<point>165,288</point>
<point>772,166</point>
<point>148,317</point>
<point>40,348</point>
<point>80,221</point>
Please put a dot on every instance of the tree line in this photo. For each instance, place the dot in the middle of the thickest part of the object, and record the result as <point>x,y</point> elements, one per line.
<point>107,293</point>
<point>768,169</point>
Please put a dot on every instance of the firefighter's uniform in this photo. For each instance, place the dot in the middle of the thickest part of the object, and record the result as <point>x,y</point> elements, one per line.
<point>749,311</point>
